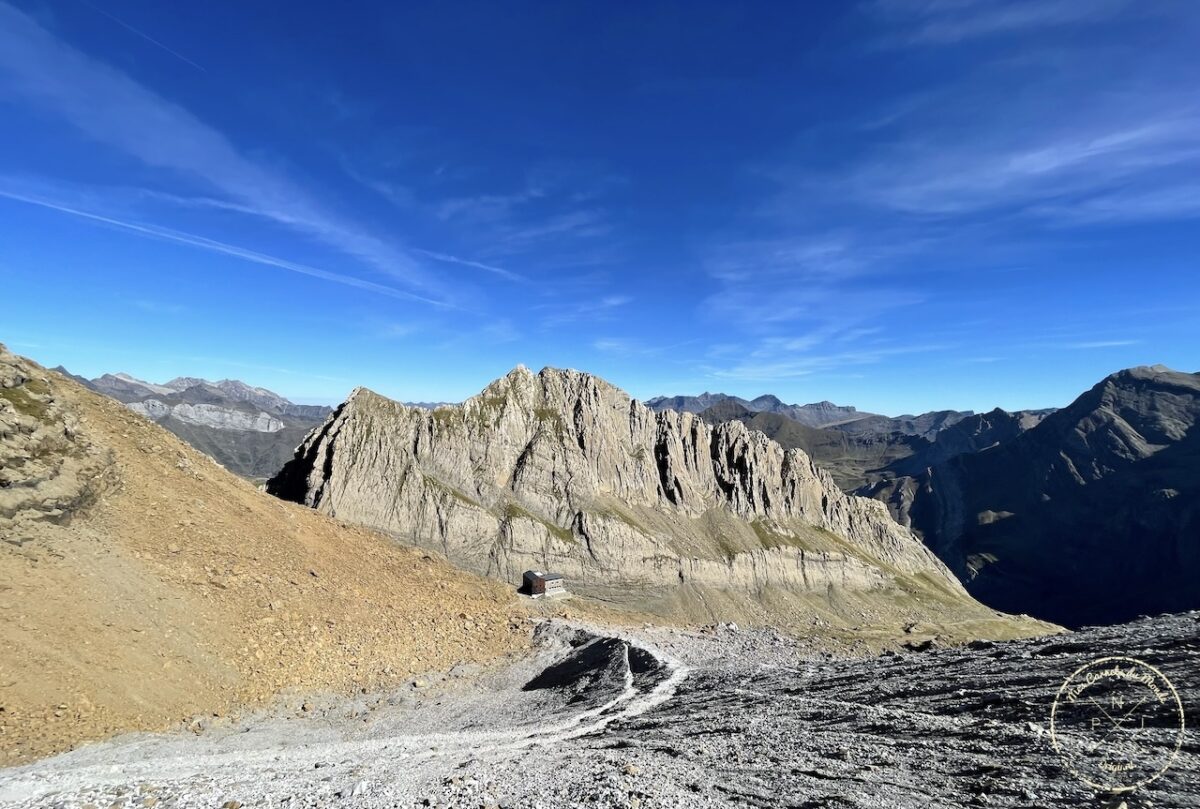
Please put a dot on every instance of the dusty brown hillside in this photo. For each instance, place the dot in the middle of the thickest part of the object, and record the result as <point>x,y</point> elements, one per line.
<point>142,584</point>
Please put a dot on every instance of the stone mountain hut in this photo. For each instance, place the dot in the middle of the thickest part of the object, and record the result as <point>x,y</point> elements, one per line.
<point>537,584</point>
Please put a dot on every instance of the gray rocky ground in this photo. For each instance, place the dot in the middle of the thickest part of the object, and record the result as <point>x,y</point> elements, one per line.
<point>659,718</point>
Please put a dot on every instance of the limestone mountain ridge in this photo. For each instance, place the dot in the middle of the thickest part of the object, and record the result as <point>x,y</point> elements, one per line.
<point>562,470</point>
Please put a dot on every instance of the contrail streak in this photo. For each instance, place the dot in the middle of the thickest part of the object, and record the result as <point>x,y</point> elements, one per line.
<point>500,271</point>
<point>180,237</point>
<point>143,35</point>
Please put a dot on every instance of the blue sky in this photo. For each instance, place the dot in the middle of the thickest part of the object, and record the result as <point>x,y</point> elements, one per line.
<point>898,204</point>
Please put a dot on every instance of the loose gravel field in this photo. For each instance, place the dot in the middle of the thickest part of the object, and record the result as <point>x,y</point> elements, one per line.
<point>661,718</point>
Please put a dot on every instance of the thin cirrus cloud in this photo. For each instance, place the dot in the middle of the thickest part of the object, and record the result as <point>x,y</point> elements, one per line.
<point>1093,344</point>
<point>594,310</point>
<point>1037,127</point>
<point>943,22</point>
<point>507,275</point>
<point>159,307</point>
<point>947,178</point>
<point>628,347</point>
<point>212,245</point>
<point>805,306</point>
<point>758,367</point>
<point>114,109</point>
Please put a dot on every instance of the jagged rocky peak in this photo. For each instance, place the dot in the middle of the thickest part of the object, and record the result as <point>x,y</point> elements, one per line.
<point>560,469</point>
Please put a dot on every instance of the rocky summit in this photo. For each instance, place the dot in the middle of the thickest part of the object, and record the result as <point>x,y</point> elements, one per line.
<point>661,511</point>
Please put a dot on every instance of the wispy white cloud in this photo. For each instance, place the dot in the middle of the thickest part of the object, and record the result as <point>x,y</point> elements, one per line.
<point>159,307</point>
<point>394,331</point>
<point>761,368</point>
<point>1180,201</point>
<point>1092,344</point>
<point>571,225</point>
<point>115,110</point>
<point>212,245</point>
<point>952,21</point>
<point>507,275</point>
<point>397,194</point>
<point>487,208</point>
<point>822,298</point>
<point>1054,130</point>
<point>803,305</point>
<point>616,345</point>
<point>593,310</point>
<point>630,347</point>
<point>491,332</point>
<point>1037,171</point>
<point>821,258</point>
<point>554,209</point>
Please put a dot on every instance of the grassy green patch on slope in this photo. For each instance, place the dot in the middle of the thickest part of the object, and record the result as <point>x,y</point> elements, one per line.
<point>512,511</point>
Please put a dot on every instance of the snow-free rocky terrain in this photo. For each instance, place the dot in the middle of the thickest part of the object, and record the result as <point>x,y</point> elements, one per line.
<point>659,513</point>
<point>653,718</point>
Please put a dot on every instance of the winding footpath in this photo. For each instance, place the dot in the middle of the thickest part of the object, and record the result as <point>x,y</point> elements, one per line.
<point>184,770</point>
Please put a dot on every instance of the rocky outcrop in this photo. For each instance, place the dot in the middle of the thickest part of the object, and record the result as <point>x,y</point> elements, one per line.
<point>1090,516</point>
<point>49,470</point>
<point>562,470</point>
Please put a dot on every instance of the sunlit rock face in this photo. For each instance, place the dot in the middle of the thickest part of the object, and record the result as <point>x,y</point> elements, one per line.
<point>562,470</point>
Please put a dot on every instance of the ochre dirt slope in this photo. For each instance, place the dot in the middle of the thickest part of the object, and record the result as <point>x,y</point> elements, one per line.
<point>142,584</point>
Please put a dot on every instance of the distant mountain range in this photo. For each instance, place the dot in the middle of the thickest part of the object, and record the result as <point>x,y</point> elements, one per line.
<point>1089,515</point>
<point>817,414</point>
<point>251,431</point>
<point>877,448</point>
<point>1083,515</point>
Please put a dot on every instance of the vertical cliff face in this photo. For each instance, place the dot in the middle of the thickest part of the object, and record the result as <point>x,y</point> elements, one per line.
<point>562,470</point>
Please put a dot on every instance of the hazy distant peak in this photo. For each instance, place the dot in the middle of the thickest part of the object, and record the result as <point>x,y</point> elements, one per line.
<point>819,414</point>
